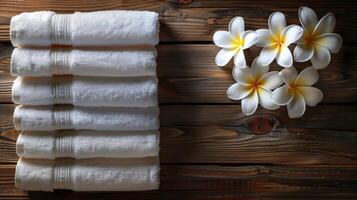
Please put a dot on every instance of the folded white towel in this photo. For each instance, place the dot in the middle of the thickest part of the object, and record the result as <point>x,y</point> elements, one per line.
<point>49,118</point>
<point>86,91</point>
<point>122,62</point>
<point>88,174</point>
<point>102,28</point>
<point>87,144</point>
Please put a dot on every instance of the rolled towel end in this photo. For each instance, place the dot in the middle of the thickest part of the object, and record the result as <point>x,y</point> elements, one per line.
<point>31,175</point>
<point>31,28</point>
<point>20,151</point>
<point>33,118</point>
<point>15,91</point>
<point>17,118</point>
<point>34,91</point>
<point>13,69</point>
<point>31,62</point>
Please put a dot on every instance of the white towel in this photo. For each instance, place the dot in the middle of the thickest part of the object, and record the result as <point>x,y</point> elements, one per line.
<point>102,28</point>
<point>49,118</point>
<point>87,144</point>
<point>88,174</point>
<point>86,91</point>
<point>122,62</point>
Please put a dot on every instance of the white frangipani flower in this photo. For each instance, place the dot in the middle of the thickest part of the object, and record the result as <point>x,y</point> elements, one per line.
<point>254,87</point>
<point>233,43</point>
<point>318,40</point>
<point>297,90</point>
<point>276,40</point>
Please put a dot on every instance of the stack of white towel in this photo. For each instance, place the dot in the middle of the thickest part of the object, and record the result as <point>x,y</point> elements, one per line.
<point>88,92</point>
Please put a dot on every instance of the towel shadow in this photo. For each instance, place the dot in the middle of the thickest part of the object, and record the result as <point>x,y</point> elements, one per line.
<point>68,194</point>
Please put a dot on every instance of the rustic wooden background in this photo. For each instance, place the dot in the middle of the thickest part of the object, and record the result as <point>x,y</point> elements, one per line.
<point>209,149</point>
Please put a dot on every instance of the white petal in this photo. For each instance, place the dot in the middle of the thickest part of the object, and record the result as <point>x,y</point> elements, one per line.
<point>249,38</point>
<point>265,99</point>
<point>236,26</point>
<point>276,23</point>
<point>292,34</point>
<point>224,56</point>
<point>331,41</point>
<point>307,77</point>
<point>321,58</point>
<point>271,80</point>
<point>284,57</point>
<point>239,59</point>
<point>258,69</point>
<point>250,103</point>
<point>238,91</point>
<point>282,95</point>
<point>242,75</point>
<point>296,107</point>
<point>223,39</point>
<point>303,52</point>
<point>312,95</point>
<point>265,38</point>
<point>308,18</point>
<point>267,55</point>
<point>326,24</point>
<point>289,75</point>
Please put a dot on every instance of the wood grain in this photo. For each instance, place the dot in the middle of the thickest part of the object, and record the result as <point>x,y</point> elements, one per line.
<point>187,20</point>
<point>338,117</point>
<point>200,134</point>
<point>191,144</point>
<point>188,74</point>
<point>218,182</point>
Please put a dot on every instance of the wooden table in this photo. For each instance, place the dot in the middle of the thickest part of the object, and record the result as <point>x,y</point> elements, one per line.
<point>209,149</point>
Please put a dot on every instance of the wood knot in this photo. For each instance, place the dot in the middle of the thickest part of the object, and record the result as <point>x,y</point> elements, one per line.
<point>261,124</point>
<point>179,2</point>
<point>184,2</point>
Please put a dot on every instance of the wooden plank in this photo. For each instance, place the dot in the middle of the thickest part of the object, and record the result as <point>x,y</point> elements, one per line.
<point>188,74</point>
<point>217,182</point>
<point>193,20</point>
<point>221,134</point>
<point>339,117</point>
<point>234,145</point>
<point>335,117</point>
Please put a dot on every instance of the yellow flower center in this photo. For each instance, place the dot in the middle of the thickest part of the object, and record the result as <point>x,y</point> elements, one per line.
<point>293,88</point>
<point>279,42</point>
<point>309,39</point>
<point>237,42</point>
<point>255,84</point>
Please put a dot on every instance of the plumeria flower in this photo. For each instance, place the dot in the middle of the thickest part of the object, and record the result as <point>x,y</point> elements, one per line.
<point>318,40</point>
<point>297,91</point>
<point>254,87</point>
<point>276,40</point>
<point>233,43</point>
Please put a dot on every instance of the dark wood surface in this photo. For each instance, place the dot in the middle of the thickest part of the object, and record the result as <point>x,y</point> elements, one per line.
<point>209,149</point>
